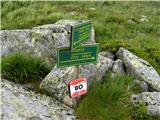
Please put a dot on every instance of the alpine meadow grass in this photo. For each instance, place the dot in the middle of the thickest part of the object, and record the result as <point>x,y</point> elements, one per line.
<point>108,100</point>
<point>23,68</point>
<point>134,25</point>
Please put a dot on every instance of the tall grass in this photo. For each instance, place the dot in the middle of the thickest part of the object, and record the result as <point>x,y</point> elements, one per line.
<point>110,100</point>
<point>23,68</point>
<point>110,20</point>
<point>107,101</point>
<point>26,14</point>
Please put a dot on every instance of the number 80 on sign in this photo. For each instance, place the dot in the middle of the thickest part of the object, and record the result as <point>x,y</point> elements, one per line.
<point>78,87</point>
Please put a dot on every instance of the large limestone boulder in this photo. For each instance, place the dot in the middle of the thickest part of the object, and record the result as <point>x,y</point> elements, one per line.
<point>140,68</point>
<point>96,71</point>
<point>36,42</point>
<point>20,104</point>
<point>57,81</point>
<point>150,99</point>
<point>40,41</point>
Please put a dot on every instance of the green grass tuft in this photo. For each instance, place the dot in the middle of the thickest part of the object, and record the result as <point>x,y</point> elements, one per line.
<point>107,101</point>
<point>23,68</point>
<point>110,100</point>
<point>140,113</point>
<point>110,20</point>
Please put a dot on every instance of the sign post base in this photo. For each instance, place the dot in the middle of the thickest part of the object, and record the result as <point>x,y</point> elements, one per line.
<point>75,100</point>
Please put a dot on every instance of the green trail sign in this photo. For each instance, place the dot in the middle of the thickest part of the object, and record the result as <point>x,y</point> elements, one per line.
<point>79,33</point>
<point>85,54</point>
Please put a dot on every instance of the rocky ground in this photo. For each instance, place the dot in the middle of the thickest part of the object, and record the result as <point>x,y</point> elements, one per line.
<point>18,103</point>
<point>21,104</point>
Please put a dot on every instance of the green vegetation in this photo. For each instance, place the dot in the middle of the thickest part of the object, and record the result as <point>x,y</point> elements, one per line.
<point>107,100</point>
<point>110,19</point>
<point>110,100</point>
<point>23,68</point>
<point>140,112</point>
<point>117,24</point>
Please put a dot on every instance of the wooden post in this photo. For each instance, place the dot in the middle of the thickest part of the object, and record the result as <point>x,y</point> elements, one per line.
<point>77,71</point>
<point>77,76</point>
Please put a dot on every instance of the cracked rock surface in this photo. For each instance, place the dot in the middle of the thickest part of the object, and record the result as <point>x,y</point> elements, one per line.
<point>20,104</point>
<point>140,69</point>
<point>151,100</point>
<point>40,41</point>
<point>57,81</point>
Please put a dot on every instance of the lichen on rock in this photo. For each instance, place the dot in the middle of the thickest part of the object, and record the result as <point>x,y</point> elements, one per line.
<point>20,104</point>
<point>41,40</point>
<point>57,81</point>
<point>151,101</point>
<point>140,69</point>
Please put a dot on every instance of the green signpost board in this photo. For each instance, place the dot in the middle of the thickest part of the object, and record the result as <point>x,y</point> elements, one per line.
<point>78,54</point>
<point>79,33</point>
<point>85,54</point>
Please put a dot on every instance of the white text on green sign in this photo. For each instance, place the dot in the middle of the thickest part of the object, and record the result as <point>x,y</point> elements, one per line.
<point>80,33</point>
<point>85,54</point>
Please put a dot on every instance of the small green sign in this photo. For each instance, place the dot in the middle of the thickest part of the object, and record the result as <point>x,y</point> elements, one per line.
<point>85,54</point>
<point>79,33</point>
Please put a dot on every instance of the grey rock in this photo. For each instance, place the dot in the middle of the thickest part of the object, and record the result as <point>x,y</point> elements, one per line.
<point>73,13</point>
<point>68,23</point>
<point>40,41</point>
<point>151,100</point>
<point>96,71</point>
<point>113,75</point>
<point>57,81</point>
<point>36,42</point>
<point>108,55</point>
<point>143,85</point>
<point>55,28</point>
<point>12,40</point>
<point>131,21</point>
<point>143,16</point>
<point>140,69</point>
<point>118,67</point>
<point>20,104</point>
<point>143,19</point>
<point>93,9</point>
<point>153,110</point>
<point>68,101</point>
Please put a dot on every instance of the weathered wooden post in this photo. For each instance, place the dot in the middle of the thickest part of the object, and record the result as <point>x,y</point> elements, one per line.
<point>77,76</point>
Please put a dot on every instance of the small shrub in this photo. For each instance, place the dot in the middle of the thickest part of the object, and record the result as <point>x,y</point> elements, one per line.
<point>23,68</point>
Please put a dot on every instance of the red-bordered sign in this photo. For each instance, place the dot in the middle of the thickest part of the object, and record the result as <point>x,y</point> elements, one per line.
<point>78,87</point>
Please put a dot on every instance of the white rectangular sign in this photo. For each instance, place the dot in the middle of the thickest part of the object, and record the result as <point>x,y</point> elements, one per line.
<point>78,87</point>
